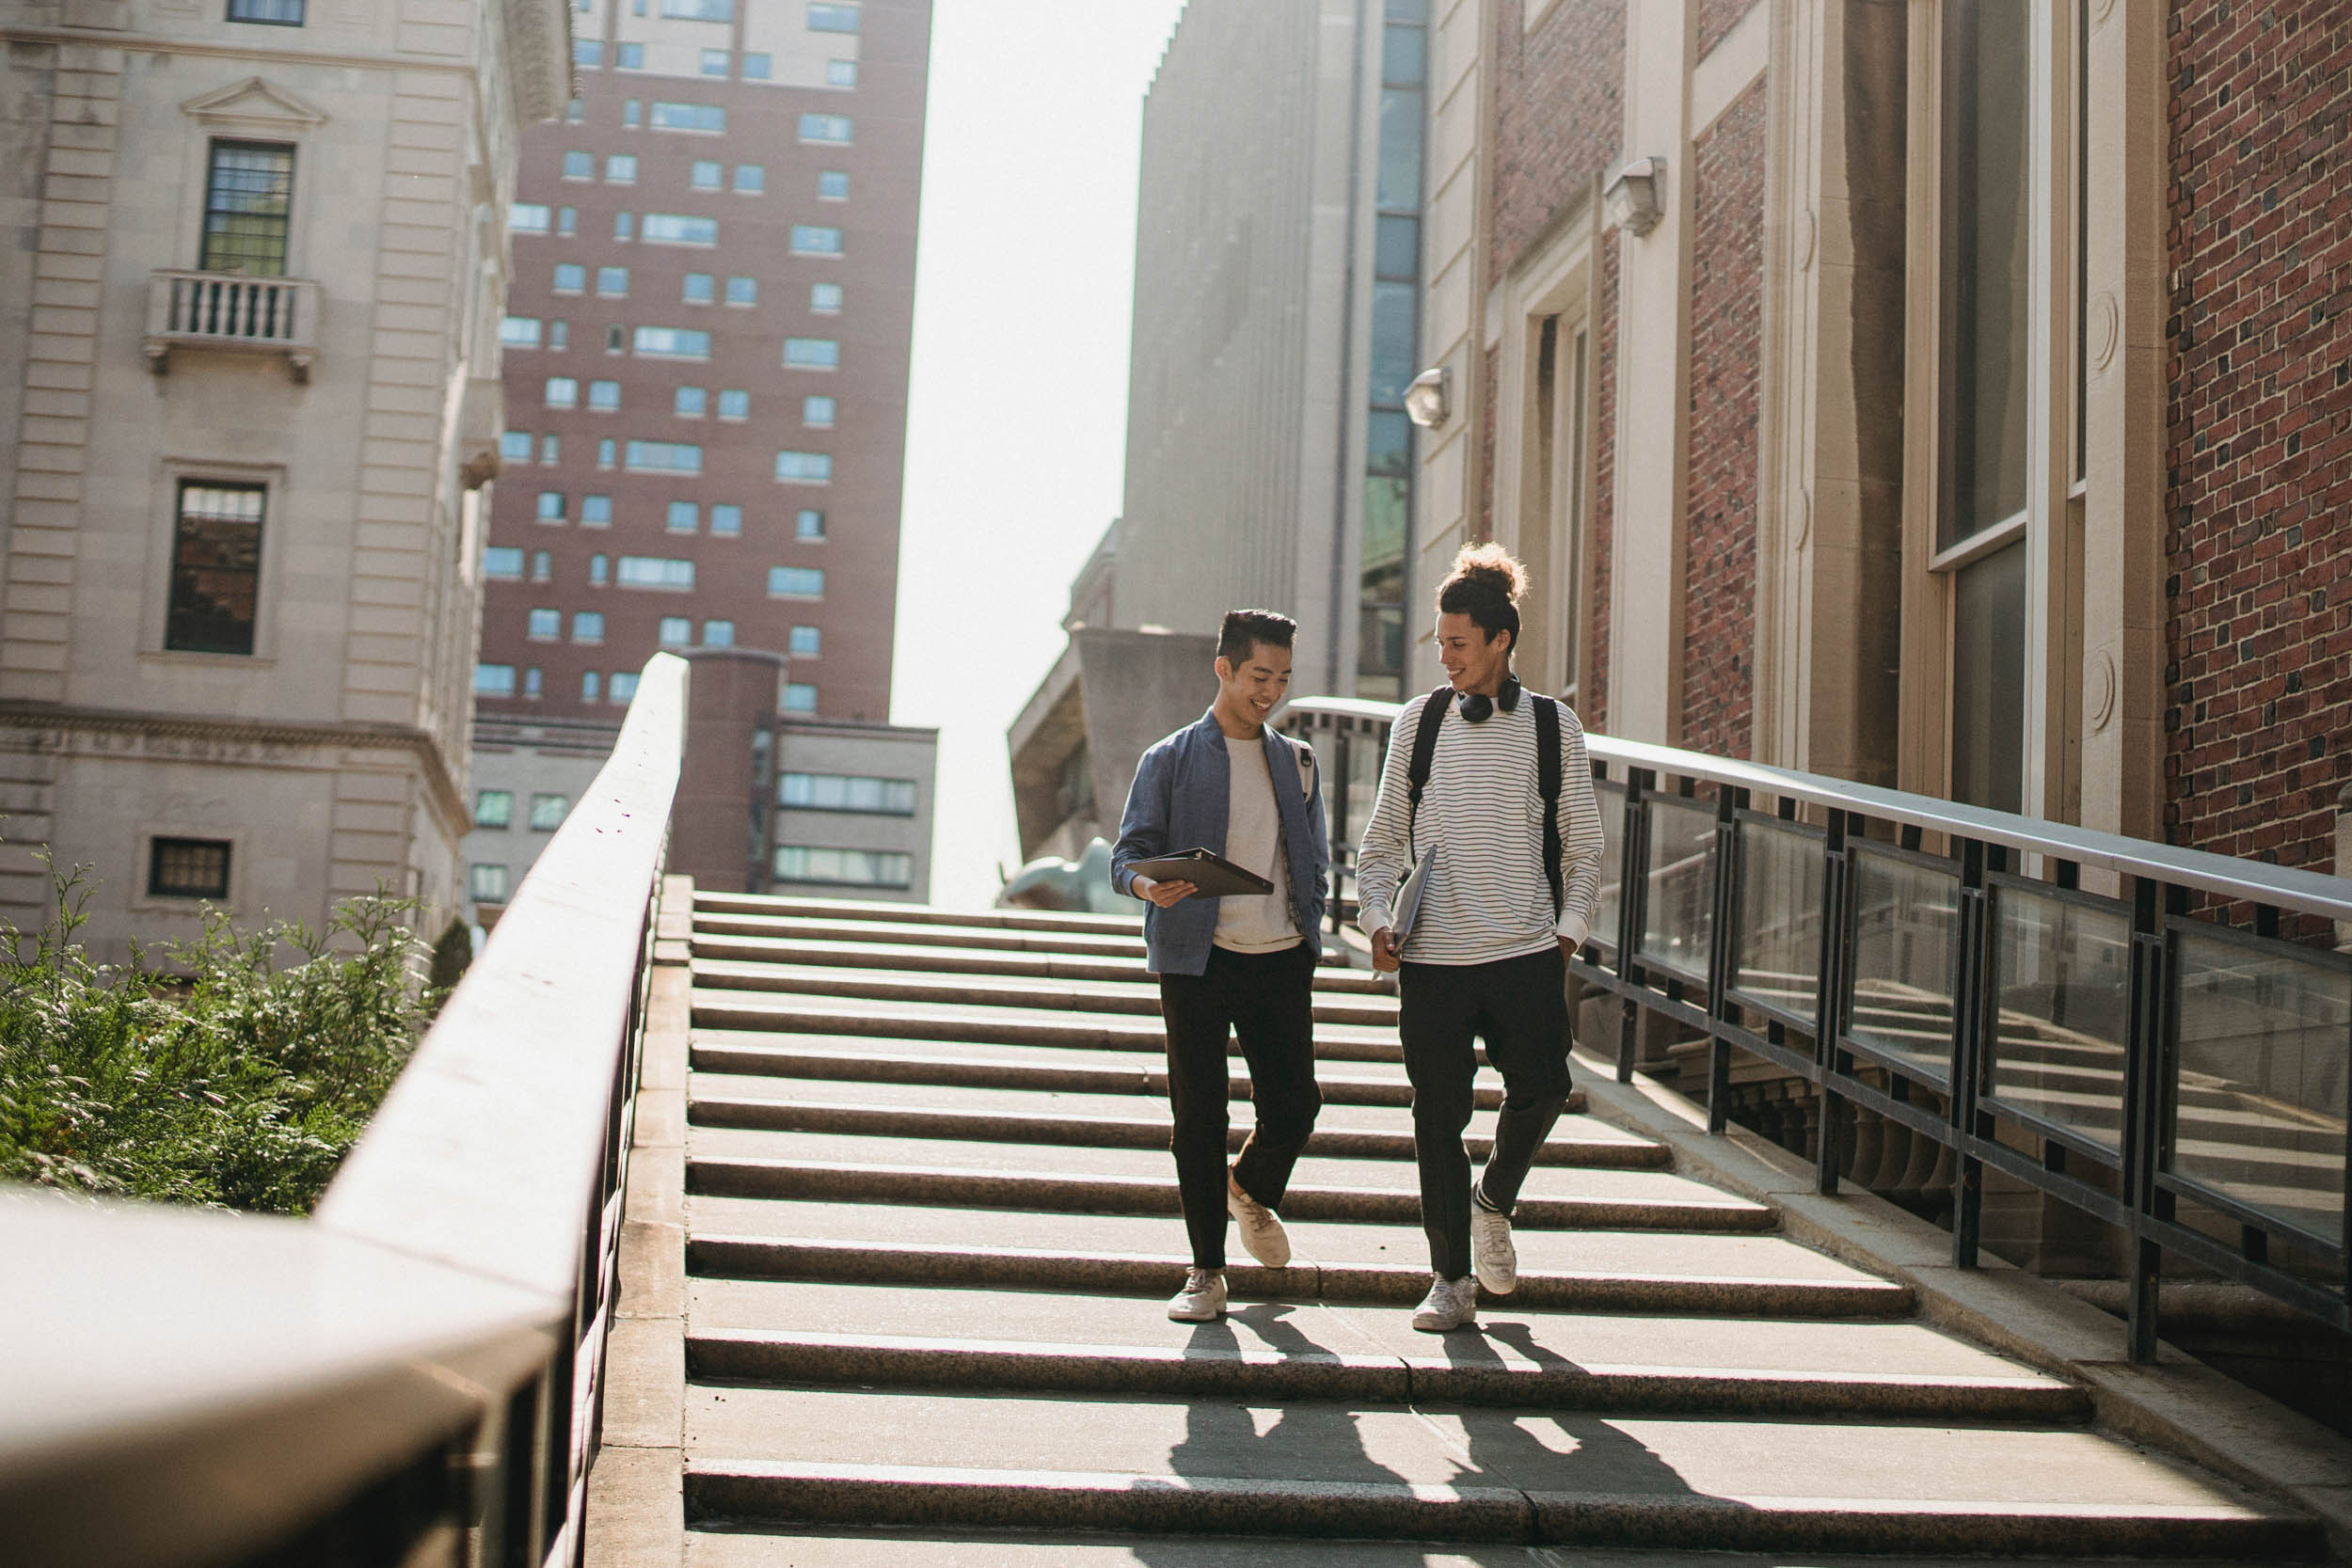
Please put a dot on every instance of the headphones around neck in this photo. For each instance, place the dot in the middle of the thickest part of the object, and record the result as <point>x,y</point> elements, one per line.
<point>1477,708</point>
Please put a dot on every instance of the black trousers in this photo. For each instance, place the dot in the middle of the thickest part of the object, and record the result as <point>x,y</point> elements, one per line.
<point>1267,1000</point>
<point>1521,1007</point>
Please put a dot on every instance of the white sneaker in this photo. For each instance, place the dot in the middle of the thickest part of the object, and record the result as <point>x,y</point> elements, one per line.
<point>1450,1304</point>
<point>1492,1255</point>
<point>1261,1232</point>
<point>1201,1300</point>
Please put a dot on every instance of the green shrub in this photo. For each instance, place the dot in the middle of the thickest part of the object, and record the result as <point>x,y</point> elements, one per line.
<point>222,1077</point>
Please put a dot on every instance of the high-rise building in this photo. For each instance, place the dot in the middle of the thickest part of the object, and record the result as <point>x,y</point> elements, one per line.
<point>706,353</point>
<point>250,282</point>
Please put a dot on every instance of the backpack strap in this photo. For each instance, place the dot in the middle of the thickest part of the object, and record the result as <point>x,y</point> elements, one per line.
<point>1548,767</point>
<point>1424,751</point>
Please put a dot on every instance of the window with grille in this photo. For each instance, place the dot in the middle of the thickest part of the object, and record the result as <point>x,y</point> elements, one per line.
<point>805,468</point>
<point>274,14</point>
<point>796,582</point>
<point>840,792</point>
<point>215,568</point>
<point>546,811</point>
<point>249,206</point>
<point>830,130</point>
<point>188,868</point>
<point>487,883</point>
<point>494,808</point>
<point>848,867</point>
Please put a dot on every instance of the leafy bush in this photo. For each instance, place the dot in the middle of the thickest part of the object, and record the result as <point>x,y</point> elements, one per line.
<point>223,1077</point>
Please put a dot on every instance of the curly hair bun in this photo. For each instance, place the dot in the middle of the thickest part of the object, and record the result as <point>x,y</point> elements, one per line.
<point>1489,567</point>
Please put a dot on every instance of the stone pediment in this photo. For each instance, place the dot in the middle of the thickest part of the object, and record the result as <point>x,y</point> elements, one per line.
<point>255,102</point>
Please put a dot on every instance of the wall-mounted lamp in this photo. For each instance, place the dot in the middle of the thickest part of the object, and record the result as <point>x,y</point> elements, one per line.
<point>1630,198</point>
<point>1429,398</point>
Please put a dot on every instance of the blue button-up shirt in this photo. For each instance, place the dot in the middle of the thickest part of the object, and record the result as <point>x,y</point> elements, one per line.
<point>1181,794</point>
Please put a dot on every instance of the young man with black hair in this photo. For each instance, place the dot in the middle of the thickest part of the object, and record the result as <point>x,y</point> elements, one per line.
<point>1242,965</point>
<point>1487,788</point>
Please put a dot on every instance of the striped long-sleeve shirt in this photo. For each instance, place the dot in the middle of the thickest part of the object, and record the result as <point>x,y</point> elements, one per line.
<point>1483,813</point>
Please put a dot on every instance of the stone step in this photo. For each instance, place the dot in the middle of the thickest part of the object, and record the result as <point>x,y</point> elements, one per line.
<point>1122,999</point>
<point>882,1058</point>
<point>801,928</point>
<point>866,911</point>
<point>741,1010</point>
<point>1070,1125</point>
<point>1343,1469</point>
<point>981,960</point>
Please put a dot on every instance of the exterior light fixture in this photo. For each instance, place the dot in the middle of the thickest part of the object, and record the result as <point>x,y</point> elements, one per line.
<point>1630,199</point>
<point>1429,398</point>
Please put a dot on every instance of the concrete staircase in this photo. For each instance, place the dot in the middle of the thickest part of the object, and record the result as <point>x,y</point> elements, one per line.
<point>930,1224</point>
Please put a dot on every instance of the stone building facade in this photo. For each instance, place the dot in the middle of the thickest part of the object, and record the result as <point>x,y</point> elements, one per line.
<point>249,309</point>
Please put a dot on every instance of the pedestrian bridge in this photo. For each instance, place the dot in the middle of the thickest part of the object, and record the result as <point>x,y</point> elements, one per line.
<point>728,1230</point>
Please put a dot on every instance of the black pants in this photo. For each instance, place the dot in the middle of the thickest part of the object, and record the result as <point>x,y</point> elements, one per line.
<point>1519,1006</point>
<point>1267,1000</point>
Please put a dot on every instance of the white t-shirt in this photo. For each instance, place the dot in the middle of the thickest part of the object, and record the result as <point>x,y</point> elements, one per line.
<point>1254,839</point>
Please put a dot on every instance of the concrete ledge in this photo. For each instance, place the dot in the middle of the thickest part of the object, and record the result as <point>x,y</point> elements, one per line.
<point>2176,1404</point>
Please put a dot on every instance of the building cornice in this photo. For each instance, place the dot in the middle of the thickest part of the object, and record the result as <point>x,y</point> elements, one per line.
<point>304,733</point>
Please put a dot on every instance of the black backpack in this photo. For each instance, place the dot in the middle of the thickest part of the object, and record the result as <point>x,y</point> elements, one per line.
<point>1548,765</point>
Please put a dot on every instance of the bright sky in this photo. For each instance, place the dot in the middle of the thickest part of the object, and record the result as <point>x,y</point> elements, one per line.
<point>1016,438</point>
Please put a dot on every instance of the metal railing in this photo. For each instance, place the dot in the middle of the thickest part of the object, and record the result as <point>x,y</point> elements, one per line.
<point>225,309</point>
<point>2135,1052</point>
<point>413,1376</point>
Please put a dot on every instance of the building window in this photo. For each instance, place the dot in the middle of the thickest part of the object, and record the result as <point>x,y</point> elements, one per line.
<point>629,56</point>
<point>673,342</point>
<point>805,642</point>
<point>838,792</point>
<point>600,570</point>
<point>796,582</point>
<point>809,525</point>
<point>551,506</point>
<point>708,174</point>
<point>590,686</point>
<point>699,10</point>
<point>648,571</point>
<point>215,568</point>
<point>805,468</point>
<point>689,402</point>
<point>715,62</point>
<point>699,287</point>
<point>187,868</point>
<point>678,228</point>
<point>580,165</point>
<point>674,458</point>
<point>515,447</point>
<point>576,112</point>
<point>685,517</point>
<point>677,631</point>
<point>563,392</point>
<point>827,130</point>
<point>588,625</point>
<point>274,14</point>
<point>726,519</point>
<point>248,207</point>
<point>632,114</point>
<point>841,73</point>
<point>494,680</point>
<point>559,336</point>
<point>888,868</point>
<point>718,634</point>
<point>546,625</point>
<point>606,453</point>
<point>755,67</point>
<point>567,221</point>
<point>623,225</point>
<point>571,277</point>
<point>735,404</point>
<point>519,332</point>
<point>688,116</point>
<point>528,217</point>
<point>743,290</point>
<point>831,19</point>
<point>547,812</point>
<point>824,300</point>
<point>532,682</point>
<point>814,239</point>
<point>798,697</point>
<point>811,353</point>
<point>750,178</point>
<point>604,397</point>
<point>623,686</point>
<point>817,413</point>
<point>550,445</point>
<point>832,185</point>
<point>503,563</point>
<point>494,808</point>
<point>620,168</point>
<point>487,883</point>
<point>595,510</point>
<point>542,566</point>
<point>587,53</point>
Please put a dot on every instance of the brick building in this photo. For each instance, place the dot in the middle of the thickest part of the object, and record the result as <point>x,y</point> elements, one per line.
<point>1960,404</point>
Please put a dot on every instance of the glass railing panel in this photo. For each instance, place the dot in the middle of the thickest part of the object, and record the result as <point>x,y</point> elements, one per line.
<point>1780,917</point>
<point>2060,979</point>
<point>2263,1035</point>
<point>1607,911</point>
<point>1906,931</point>
<point>1677,931</point>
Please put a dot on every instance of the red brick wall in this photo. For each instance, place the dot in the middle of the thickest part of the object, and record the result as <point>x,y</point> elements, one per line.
<point>2260,727</point>
<point>1559,114</point>
<point>1593,701</point>
<point>1726,310</point>
<point>1716,18</point>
